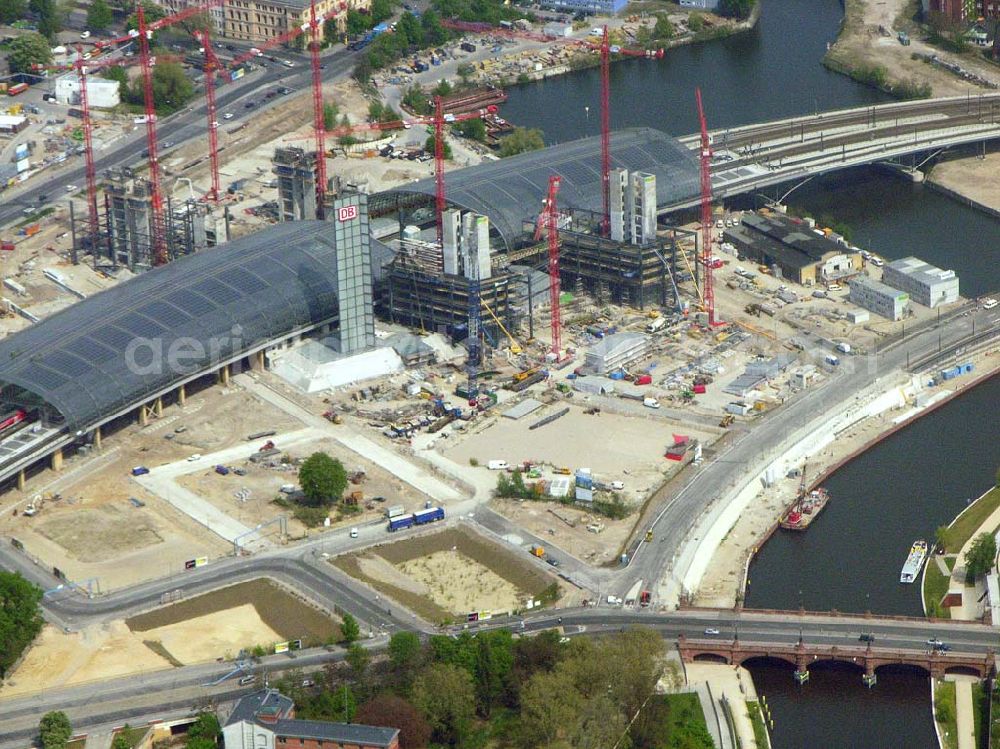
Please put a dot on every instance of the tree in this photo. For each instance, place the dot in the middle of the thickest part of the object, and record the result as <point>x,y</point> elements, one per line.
<point>411,30</point>
<point>465,71</point>
<point>99,15</point>
<point>444,694</point>
<point>331,34</point>
<point>54,730</point>
<point>521,140</point>
<point>445,147</point>
<point>329,115</point>
<point>358,659</point>
<point>434,32</point>
<point>443,88</point>
<point>416,100</point>
<point>406,653</point>
<point>20,617</point>
<point>322,478</point>
<point>150,11</point>
<point>48,17</point>
<point>206,726</point>
<point>381,10</point>
<point>27,51</point>
<point>357,23</point>
<point>201,744</point>
<point>472,129</point>
<point>349,629</point>
<point>120,741</point>
<point>981,555</point>
<point>395,712</point>
<point>941,537</point>
<point>695,22</point>
<point>345,706</point>
<point>663,28</point>
<point>736,8</point>
<point>12,10</point>
<point>171,88</point>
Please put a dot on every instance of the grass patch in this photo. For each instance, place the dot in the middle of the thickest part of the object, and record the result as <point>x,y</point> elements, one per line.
<point>995,720</point>
<point>968,523</point>
<point>760,735</point>
<point>935,588</point>
<point>950,562</point>
<point>979,705</point>
<point>157,647</point>
<point>76,744</point>
<point>945,713</point>
<point>134,734</point>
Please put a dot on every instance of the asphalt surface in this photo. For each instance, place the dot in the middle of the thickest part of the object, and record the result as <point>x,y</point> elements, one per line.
<point>184,126</point>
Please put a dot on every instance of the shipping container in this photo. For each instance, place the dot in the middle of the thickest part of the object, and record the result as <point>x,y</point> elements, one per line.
<point>398,523</point>
<point>17,88</point>
<point>420,517</point>
<point>395,511</point>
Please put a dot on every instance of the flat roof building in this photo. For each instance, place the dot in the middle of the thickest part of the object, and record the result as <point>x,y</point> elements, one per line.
<point>617,350</point>
<point>926,284</point>
<point>793,249</point>
<point>879,298</point>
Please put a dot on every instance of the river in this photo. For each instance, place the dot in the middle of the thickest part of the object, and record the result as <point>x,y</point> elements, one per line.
<point>910,483</point>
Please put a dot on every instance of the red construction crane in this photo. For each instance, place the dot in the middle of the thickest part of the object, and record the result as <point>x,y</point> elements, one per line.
<point>549,217</point>
<point>159,239</point>
<point>318,123</point>
<point>708,293</point>
<point>605,49</point>
<point>211,67</point>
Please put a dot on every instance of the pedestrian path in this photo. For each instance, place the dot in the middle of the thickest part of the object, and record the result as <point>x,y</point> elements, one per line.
<point>734,685</point>
<point>964,714</point>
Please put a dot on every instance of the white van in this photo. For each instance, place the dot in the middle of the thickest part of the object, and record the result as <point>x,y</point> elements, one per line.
<point>844,348</point>
<point>990,303</point>
<point>650,403</point>
<point>497,465</point>
<point>832,360</point>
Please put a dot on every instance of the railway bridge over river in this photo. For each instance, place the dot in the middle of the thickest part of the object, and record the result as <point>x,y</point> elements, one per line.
<point>753,157</point>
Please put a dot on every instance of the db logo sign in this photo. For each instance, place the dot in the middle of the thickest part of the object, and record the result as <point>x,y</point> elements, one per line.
<point>347,213</point>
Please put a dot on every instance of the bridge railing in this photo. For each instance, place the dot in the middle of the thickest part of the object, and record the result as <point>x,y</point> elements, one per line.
<point>834,613</point>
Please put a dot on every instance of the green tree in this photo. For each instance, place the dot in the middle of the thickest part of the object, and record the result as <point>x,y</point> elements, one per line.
<point>358,659</point>
<point>442,89</point>
<point>200,743</point>
<point>331,33</point>
<point>406,653</point>
<point>396,712</point>
<point>736,8</point>
<point>27,51</point>
<point>472,129</point>
<point>350,630</point>
<point>358,23</point>
<point>150,11</point>
<point>381,10</point>
<point>99,15</point>
<point>411,30</point>
<point>48,17</point>
<point>12,10</point>
<point>416,100</point>
<point>322,478</point>
<point>981,555</point>
<point>330,112</point>
<point>434,32</point>
<point>941,536</point>
<point>465,71</point>
<point>444,694</point>
<point>663,28</point>
<point>521,140</point>
<point>344,704</point>
<point>121,739</point>
<point>445,147</point>
<point>171,88</point>
<point>54,730</point>
<point>206,726</point>
<point>20,617</point>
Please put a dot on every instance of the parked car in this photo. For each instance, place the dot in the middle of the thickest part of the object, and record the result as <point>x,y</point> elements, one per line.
<point>85,35</point>
<point>867,637</point>
<point>192,458</point>
<point>711,631</point>
<point>227,116</point>
<point>354,532</point>
<point>140,471</point>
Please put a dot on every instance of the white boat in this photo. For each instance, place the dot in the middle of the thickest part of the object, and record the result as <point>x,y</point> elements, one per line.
<point>915,560</point>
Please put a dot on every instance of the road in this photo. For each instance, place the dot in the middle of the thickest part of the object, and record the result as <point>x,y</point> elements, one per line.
<point>182,126</point>
<point>164,694</point>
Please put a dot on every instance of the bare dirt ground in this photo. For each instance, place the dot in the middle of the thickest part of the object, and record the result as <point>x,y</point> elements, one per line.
<point>264,482</point>
<point>460,584</point>
<point>553,520</point>
<point>972,177</point>
<point>100,652</point>
<point>861,43</point>
<point>207,637</point>
<point>94,531</point>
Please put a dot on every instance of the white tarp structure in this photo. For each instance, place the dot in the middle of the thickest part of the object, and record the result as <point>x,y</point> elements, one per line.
<point>313,367</point>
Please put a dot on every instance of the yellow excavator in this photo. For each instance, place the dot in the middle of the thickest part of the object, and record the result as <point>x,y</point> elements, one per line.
<point>515,347</point>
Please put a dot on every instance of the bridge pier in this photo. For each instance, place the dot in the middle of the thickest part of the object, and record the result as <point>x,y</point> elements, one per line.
<point>869,679</point>
<point>21,480</point>
<point>97,438</point>
<point>224,376</point>
<point>181,395</point>
<point>57,459</point>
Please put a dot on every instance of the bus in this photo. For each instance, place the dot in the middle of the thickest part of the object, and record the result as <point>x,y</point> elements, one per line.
<point>17,88</point>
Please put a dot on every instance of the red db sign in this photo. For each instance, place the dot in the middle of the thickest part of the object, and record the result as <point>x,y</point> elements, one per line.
<point>347,213</point>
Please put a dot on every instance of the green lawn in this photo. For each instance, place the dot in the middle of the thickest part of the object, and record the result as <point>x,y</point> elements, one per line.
<point>968,523</point>
<point>949,562</point>
<point>671,720</point>
<point>760,733</point>
<point>978,705</point>
<point>935,587</point>
<point>944,712</point>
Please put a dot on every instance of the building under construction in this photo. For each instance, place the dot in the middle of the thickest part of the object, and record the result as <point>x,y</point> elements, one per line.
<point>125,225</point>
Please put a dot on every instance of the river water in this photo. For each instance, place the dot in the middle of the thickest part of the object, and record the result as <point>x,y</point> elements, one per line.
<point>909,484</point>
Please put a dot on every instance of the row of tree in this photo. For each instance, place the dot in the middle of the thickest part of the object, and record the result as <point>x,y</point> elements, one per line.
<point>531,692</point>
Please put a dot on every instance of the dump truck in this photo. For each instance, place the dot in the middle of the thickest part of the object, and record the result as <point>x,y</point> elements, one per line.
<point>537,551</point>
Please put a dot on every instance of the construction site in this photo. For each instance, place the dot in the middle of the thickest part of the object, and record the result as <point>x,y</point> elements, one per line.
<point>530,336</point>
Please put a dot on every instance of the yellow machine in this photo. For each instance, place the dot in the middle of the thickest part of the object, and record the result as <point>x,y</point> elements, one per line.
<point>515,347</point>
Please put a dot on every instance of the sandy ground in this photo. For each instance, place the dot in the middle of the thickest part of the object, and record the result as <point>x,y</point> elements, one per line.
<point>972,177</point>
<point>378,568</point>
<point>460,584</point>
<point>94,531</point>
<point>552,520</point>
<point>99,652</point>
<point>862,43</point>
<point>208,637</point>
<point>724,576</point>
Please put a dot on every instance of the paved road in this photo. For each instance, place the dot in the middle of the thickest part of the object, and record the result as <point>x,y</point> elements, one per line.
<point>182,126</point>
<point>164,693</point>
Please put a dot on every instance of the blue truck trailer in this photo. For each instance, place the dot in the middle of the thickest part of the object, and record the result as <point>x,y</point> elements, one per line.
<point>400,522</point>
<point>429,515</point>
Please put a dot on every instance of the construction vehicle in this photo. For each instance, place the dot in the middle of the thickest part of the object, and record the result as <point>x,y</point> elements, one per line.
<point>354,498</point>
<point>644,598</point>
<point>524,374</point>
<point>537,551</point>
<point>727,420</point>
<point>269,445</point>
<point>515,347</point>
<point>649,535</point>
<point>332,416</point>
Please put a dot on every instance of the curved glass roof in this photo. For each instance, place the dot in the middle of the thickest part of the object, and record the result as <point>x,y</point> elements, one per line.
<point>512,189</point>
<point>111,350</point>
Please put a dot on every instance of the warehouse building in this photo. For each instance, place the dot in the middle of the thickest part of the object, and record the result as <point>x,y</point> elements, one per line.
<point>926,284</point>
<point>616,351</point>
<point>101,93</point>
<point>793,249</point>
<point>879,298</point>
